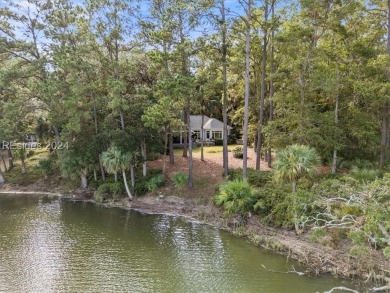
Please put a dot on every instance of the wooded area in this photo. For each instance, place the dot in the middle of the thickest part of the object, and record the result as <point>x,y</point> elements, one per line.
<point>121,73</point>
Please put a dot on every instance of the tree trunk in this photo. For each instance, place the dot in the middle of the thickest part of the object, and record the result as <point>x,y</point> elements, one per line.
<point>144,159</point>
<point>56,134</point>
<point>184,72</point>
<point>296,223</point>
<point>126,185</point>
<point>171,153</point>
<point>23,166</point>
<point>122,120</point>
<point>4,163</point>
<point>102,172</point>
<point>384,130</point>
<point>201,141</point>
<point>271,83</point>
<point>10,159</point>
<point>185,132</point>
<point>294,186</point>
<point>190,163</point>
<point>224,97</point>
<point>2,180</point>
<point>84,180</point>
<point>262,90</point>
<point>132,175</point>
<point>336,122</point>
<point>165,149</point>
<point>384,127</point>
<point>247,80</point>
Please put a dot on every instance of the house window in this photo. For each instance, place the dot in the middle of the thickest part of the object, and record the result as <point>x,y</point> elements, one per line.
<point>217,134</point>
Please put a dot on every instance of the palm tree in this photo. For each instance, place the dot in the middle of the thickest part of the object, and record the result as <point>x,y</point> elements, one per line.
<point>294,162</point>
<point>115,161</point>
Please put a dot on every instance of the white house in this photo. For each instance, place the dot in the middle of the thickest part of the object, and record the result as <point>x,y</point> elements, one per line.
<point>212,128</point>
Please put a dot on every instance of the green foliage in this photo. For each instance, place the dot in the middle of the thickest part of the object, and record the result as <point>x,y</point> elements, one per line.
<point>109,191</point>
<point>358,163</point>
<point>155,182</point>
<point>255,177</point>
<point>46,166</point>
<point>386,252</point>
<point>180,179</point>
<point>295,161</point>
<point>317,234</point>
<point>236,197</point>
<point>141,185</point>
<point>237,153</point>
<point>363,174</point>
<point>273,206</point>
<point>218,141</point>
<point>232,139</point>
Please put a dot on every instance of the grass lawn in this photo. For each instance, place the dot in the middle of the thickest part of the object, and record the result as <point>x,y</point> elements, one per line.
<point>15,175</point>
<point>209,151</point>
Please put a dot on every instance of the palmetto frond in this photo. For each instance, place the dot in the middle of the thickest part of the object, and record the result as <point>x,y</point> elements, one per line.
<point>295,161</point>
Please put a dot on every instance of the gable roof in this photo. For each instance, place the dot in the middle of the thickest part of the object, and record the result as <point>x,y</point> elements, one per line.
<point>209,123</point>
<point>196,121</point>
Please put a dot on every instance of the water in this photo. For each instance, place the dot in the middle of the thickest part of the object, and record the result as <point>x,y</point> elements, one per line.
<point>53,245</point>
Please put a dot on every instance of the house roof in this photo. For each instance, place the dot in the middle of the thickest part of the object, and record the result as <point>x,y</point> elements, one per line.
<point>209,123</point>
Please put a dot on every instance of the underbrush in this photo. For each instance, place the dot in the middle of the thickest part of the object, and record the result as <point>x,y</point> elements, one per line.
<point>330,209</point>
<point>110,190</point>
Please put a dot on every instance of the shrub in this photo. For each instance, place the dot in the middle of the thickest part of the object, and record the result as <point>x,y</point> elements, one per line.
<point>359,163</point>
<point>46,166</point>
<point>152,156</point>
<point>218,141</point>
<point>236,197</point>
<point>108,191</point>
<point>180,179</point>
<point>155,182</point>
<point>232,139</point>
<point>363,174</point>
<point>141,182</point>
<point>237,153</point>
<point>386,252</point>
<point>255,177</point>
<point>273,205</point>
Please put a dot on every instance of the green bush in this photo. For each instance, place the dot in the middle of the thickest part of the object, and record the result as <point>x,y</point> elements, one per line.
<point>141,182</point>
<point>180,179</point>
<point>364,175</point>
<point>46,166</point>
<point>237,153</point>
<point>359,163</point>
<point>109,190</point>
<point>386,252</point>
<point>255,177</point>
<point>152,156</point>
<point>218,141</point>
<point>236,197</point>
<point>155,182</point>
<point>273,206</point>
<point>232,139</point>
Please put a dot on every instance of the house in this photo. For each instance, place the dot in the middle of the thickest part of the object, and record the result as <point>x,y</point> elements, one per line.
<point>212,129</point>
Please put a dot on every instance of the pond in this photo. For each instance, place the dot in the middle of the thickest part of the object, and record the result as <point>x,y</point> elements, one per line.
<point>55,245</point>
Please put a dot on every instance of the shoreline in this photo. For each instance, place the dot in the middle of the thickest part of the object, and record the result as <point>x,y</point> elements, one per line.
<point>314,258</point>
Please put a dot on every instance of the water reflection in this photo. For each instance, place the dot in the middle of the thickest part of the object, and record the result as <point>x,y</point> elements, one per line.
<point>49,245</point>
